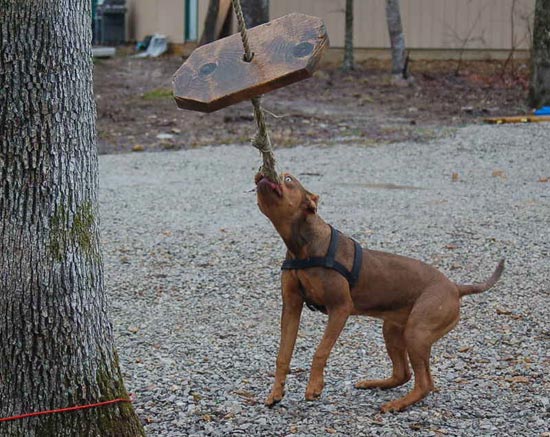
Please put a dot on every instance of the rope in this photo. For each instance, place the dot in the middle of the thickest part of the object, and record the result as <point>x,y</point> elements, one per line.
<point>64,410</point>
<point>261,140</point>
<point>248,55</point>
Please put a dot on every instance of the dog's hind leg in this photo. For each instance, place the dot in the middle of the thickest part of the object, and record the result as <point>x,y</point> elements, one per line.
<point>434,314</point>
<point>397,350</point>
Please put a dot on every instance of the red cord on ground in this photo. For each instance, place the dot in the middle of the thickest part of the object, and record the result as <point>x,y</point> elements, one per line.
<point>64,410</point>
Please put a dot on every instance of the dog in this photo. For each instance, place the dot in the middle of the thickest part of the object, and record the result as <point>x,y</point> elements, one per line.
<point>330,272</point>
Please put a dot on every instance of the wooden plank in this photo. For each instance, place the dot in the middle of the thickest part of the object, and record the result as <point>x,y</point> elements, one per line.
<point>517,119</point>
<point>286,50</point>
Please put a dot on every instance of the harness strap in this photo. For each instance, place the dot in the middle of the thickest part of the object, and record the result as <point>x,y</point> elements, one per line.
<point>329,260</point>
<point>357,261</point>
<point>331,254</point>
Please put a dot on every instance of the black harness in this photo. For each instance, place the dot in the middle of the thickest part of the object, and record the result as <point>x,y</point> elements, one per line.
<point>329,262</point>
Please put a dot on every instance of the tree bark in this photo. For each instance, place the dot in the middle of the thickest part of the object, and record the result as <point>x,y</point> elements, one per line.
<point>397,38</point>
<point>255,12</point>
<point>539,91</point>
<point>56,342</point>
<point>348,64</point>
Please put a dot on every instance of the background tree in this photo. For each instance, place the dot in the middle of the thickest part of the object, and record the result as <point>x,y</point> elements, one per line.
<point>217,23</point>
<point>539,91</point>
<point>219,15</point>
<point>56,342</point>
<point>255,12</point>
<point>397,40</point>
<point>348,64</point>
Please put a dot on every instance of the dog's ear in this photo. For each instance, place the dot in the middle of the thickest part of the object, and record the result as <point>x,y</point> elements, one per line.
<point>312,200</point>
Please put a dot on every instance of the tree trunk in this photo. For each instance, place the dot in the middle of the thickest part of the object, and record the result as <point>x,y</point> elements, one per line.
<point>397,38</point>
<point>56,342</point>
<point>348,63</point>
<point>255,12</point>
<point>217,23</point>
<point>539,92</point>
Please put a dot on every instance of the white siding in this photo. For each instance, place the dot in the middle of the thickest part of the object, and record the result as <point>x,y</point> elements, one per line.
<point>428,24</point>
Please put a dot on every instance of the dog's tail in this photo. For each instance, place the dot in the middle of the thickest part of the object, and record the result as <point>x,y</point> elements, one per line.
<point>464,290</point>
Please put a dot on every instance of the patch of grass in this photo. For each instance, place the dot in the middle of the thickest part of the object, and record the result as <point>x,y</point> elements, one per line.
<point>354,132</point>
<point>104,135</point>
<point>158,93</point>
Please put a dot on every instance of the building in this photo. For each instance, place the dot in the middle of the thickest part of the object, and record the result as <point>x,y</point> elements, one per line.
<point>476,29</point>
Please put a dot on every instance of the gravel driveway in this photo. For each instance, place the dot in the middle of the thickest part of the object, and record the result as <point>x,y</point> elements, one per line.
<point>192,270</point>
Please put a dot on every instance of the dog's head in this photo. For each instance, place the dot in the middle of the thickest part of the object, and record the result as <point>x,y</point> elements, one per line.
<point>284,203</point>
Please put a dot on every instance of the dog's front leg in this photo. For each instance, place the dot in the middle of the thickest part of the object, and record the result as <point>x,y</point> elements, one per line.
<point>337,318</point>
<point>290,321</point>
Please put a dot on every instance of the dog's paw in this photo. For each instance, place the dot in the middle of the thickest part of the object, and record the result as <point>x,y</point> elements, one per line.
<point>312,396</point>
<point>313,391</point>
<point>366,384</point>
<point>393,407</point>
<point>273,399</point>
<point>381,383</point>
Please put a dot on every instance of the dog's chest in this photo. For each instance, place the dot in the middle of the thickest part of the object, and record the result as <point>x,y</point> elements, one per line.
<point>311,293</point>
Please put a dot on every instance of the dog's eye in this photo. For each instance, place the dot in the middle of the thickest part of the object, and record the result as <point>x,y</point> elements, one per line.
<point>288,179</point>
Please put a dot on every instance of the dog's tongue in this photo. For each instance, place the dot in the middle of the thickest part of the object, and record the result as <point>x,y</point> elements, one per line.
<point>272,184</point>
<point>275,187</point>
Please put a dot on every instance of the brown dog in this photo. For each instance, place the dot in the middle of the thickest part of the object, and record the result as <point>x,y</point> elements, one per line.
<point>417,302</point>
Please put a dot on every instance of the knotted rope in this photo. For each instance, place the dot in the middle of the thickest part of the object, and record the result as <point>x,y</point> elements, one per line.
<point>261,140</point>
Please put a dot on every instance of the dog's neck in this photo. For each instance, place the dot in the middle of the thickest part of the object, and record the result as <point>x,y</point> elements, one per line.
<point>308,237</point>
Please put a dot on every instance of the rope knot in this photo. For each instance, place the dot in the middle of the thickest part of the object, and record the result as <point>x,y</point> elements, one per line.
<point>261,142</point>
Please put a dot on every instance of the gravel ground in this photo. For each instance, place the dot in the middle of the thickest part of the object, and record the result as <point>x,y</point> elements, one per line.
<point>192,268</point>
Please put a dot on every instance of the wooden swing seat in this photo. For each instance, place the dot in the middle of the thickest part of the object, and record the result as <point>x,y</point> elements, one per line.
<point>286,50</point>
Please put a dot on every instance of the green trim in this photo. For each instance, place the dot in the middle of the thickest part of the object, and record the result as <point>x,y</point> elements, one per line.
<point>186,18</point>
<point>187,21</point>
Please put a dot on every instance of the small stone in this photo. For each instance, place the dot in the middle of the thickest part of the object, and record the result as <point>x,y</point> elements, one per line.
<point>498,174</point>
<point>518,379</point>
<point>164,136</point>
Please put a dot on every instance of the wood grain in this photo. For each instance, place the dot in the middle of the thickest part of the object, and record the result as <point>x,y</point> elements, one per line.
<point>286,50</point>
